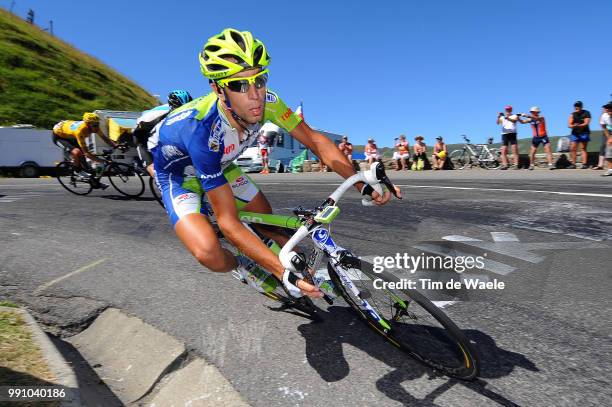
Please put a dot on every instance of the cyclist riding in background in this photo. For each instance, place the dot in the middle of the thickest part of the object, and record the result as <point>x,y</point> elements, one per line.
<point>147,126</point>
<point>199,141</point>
<point>71,136</point>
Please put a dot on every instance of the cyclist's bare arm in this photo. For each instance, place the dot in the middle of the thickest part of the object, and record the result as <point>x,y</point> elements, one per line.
<point>329,154</point>
<point>223,204</point>
<point>85,150</point>
<point>106,139</point>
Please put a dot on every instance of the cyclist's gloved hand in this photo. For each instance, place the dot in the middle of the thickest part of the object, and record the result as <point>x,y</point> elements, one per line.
<point>298,287</point>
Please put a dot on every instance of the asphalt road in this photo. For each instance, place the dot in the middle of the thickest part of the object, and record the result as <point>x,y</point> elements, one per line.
<point>545,339</point>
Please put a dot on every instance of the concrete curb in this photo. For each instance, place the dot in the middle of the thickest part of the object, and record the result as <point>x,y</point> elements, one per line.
<point>144,365</point>
<point>58,365</point>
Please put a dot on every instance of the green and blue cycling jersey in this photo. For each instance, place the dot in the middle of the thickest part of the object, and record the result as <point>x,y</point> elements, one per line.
<point>197,143</point>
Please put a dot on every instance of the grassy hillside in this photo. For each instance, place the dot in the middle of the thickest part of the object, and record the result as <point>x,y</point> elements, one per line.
<point>44,80</point>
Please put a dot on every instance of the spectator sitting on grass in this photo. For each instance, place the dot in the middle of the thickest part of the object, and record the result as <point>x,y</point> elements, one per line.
<point>420,154</point>
<point>402,154</point>
<point>439,154</point>
<point>371,151</point>
<point>606,125</point>
<point>579,123</point>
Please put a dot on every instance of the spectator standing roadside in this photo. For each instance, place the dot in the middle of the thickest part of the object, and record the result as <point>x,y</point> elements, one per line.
<point>508,122</point>
<point>579,123</point>
<point>420,153</point>
<point>606,125</point>
<point>402,154</point>
<point>371,151</point>
<point>439,154</point>
<point>540,136</point>
<point>263,145</point>
<point>346,148</point>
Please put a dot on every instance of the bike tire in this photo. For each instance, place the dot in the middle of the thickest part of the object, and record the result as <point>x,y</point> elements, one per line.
<point>436,342</point>
<point>155,191</point>
<point>493,164</point>
<point>125,180</point>
<point>66,174</point>
<point>459,158</point>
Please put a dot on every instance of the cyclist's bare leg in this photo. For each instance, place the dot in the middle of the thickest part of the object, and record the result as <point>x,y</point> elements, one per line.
<point>260,204</point>
<point>532,155</point>
<point>77,157</point>
<point>197,234</point>
<point>151,170</point>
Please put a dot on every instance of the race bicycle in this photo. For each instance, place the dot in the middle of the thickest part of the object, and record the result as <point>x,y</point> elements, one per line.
<point>122,177</point>
<point>404,317</point>
<point>480,154</point>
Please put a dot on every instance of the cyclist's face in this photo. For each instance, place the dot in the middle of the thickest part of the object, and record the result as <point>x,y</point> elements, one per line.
<point>251,104</point>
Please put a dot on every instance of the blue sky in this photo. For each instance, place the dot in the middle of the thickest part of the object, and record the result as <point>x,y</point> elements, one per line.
<point>366,69</point>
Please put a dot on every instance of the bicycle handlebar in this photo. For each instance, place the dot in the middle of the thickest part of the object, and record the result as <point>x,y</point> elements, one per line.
<point>374,176</point>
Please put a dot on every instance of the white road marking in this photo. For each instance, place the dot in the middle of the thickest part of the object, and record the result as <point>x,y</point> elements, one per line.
<point>73,273</point>
<point>504,237</point>
<point>458,238</point>
<point>463,188</point>
<point>51,184</point>
<point>444,304</point>
<point>511,190</point>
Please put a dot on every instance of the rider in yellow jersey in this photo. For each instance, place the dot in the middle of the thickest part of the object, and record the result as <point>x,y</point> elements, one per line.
<point>71,135</point>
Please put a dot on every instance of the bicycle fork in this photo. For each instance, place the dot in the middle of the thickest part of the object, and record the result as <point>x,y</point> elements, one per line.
<point>336,254</point>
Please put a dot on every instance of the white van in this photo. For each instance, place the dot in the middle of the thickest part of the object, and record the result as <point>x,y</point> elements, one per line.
<point>283,149</point>
<point>27,151</point>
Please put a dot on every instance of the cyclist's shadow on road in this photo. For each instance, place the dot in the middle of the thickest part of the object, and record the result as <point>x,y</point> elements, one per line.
<point>339,325</point>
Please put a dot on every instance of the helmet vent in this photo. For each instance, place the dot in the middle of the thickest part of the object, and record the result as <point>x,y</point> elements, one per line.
<point>213,48</point>
<point>238,39</point>
<point>257,54</point>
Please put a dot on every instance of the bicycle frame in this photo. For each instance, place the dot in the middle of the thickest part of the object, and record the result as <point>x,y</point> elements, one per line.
<point>324,245</point>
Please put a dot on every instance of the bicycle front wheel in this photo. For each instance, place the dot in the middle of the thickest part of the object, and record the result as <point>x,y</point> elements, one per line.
<point>410,321</point>
<point>125,180</point>
<point>67,175</point>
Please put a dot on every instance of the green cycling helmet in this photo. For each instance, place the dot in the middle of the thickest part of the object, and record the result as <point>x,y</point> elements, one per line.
<point>230,52</point>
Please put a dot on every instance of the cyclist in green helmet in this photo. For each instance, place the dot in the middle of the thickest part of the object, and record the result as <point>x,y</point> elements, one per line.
<point>199,141</point>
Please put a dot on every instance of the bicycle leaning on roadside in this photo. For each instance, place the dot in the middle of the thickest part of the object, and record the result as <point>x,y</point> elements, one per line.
<point>403,317</point>
<point>122,177</point>
<point>475,154</point>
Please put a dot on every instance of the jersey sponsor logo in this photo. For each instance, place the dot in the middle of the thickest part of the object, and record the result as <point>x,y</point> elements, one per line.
<point>173,119</point>
<point>215,136</point>
<point>287,114</point>
<point>229,149</point>
<point>74,126</point>
<point>240,181</point>
<point>171,152</point>
<point>210,176</point>
<point>186,198</point>
<point>271,98</point>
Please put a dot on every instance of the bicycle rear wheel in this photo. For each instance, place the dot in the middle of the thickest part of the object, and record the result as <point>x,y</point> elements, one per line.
<point>67,175</point>
<point>409,321</point>
<point>125,180</point>
<point>460,159</point>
